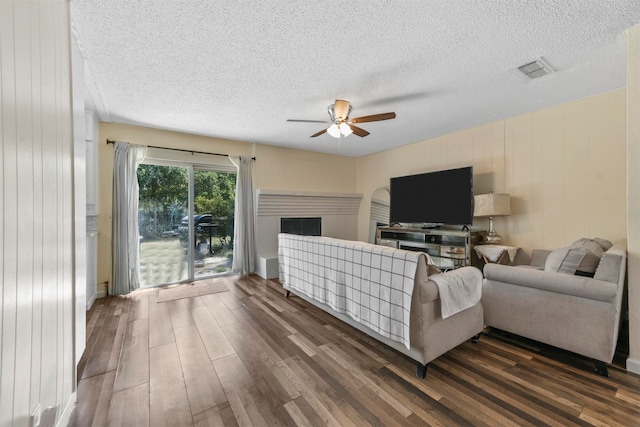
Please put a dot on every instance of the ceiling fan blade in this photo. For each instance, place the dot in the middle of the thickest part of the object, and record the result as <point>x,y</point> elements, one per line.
<point>358,131</point>
<point>341,109</point>
<point>319,133</point>
<point>373,118</point>
<point>308,121</point>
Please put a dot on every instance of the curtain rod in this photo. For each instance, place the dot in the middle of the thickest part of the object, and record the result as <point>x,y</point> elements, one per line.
<point>180,149</point>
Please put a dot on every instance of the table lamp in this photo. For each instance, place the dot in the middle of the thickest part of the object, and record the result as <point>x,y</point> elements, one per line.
<point>492,205</point>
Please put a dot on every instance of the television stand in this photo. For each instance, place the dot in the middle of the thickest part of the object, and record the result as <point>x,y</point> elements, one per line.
<point>447,248</point>
<point>431,227</point>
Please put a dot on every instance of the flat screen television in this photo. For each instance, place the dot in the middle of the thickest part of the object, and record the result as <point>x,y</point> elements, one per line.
<point>434,198</point>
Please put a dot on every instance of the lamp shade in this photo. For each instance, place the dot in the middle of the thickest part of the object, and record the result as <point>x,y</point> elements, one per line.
<point>334,131</point>
<point>492,204</point>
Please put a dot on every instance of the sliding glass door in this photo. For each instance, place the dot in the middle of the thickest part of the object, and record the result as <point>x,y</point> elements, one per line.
<point>186,223</point>
<point>213,208</point>
<point>162,206</point>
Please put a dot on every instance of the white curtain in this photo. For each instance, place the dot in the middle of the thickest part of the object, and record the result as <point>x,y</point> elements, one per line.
<point>244,244</point>
<point>126,237</point>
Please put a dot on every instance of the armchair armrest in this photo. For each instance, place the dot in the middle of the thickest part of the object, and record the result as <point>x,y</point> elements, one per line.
<point>430,289</point>
<point>579,286</point>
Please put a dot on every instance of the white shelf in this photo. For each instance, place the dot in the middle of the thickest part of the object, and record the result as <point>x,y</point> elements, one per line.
<point>447,248</point>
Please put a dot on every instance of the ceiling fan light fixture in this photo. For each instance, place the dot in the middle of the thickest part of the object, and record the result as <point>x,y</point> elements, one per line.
<point>341,125</point>
<point>334,131</point>
<point>344,109</point>
<point>345,129</point>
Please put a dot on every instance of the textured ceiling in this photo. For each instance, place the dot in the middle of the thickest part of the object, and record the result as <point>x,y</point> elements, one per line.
<point>240,69</point>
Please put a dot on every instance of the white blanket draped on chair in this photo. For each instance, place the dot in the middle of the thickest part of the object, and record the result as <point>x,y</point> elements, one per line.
<point>458,289</point>
<point>370,283</point>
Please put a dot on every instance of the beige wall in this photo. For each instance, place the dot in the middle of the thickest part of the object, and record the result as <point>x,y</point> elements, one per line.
<point>275,168</point>
<point>566,170</point>
<point>286,169</point>
<point>564,167</point>
<point>633,194</point>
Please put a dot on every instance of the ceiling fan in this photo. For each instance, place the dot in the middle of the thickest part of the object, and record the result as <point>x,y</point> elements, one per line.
<point>341,124</point>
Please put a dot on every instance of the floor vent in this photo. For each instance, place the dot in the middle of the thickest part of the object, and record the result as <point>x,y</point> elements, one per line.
<point>536,69</point>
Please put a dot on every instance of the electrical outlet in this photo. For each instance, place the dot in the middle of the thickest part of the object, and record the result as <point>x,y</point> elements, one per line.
<point>34,419</point>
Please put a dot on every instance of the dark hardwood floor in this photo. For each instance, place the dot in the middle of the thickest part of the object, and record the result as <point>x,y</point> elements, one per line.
<point>248,356</point>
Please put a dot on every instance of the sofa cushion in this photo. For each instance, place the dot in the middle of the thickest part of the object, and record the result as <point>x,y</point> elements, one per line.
<point>595,249</point>
<point>589,244</point>
<point>604,244</point>
<point>539,257</point>
<point>564,260</point>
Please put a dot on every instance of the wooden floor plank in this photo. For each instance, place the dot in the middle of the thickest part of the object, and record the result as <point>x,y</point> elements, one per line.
<point>93,315</point>
<point>347,363</point>
<point>311,418</point>
<point>219,310</point>
<point>501,392</point>
<point>374,409</point>
<point>474,401</point>
<point>130,407</point>
<point>249,342</point>
<point>221,415</point>
<point>214,339</point>
<point>161,329</point>
<point>272,334</point>
<point>104,341</point>
<point>203,386</point>
<point>133,367</point>
<point>168,401</point>
<point>296,414</point>
<point>179,313</point>
<point>116,348</point>
<point>139,305</point>
<point>94,399</point>
<point>240,412</point>
<point>325,393</point>
<point>250,356</point>
<point>306,389</point>
<point>232,372</point>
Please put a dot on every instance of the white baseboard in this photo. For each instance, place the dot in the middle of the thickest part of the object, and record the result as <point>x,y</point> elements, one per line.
<point>101,294</point>
<point>91,300</point>
<point>633,365</point>
<point>64,418</point>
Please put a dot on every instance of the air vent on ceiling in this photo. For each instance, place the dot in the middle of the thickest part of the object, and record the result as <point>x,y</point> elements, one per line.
<point>536,69</point>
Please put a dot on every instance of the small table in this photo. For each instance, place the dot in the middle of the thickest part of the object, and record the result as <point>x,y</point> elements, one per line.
<point>496,253</point>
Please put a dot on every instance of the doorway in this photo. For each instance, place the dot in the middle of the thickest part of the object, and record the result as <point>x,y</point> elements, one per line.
<point>185,217</point>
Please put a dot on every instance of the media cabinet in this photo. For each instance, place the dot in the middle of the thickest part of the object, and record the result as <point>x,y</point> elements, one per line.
<point>449,249</point>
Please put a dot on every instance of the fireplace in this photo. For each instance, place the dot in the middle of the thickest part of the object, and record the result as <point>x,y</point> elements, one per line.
<point>301,212</point>
<point>301,226</point>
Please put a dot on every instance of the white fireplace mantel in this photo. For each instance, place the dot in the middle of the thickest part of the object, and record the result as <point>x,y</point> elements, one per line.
<point>301,203</point>
<point>339,213</point>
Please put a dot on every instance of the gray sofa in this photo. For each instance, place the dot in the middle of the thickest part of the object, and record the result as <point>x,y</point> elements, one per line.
<point>430,334</point>
<point>576,313</point>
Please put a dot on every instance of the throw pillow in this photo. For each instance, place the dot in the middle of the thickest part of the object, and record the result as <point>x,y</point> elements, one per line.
<point>590,245</point>
<point>604,244</point>
<point>590,262</point>
<point>581,258</point>
<point>564,260</point>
